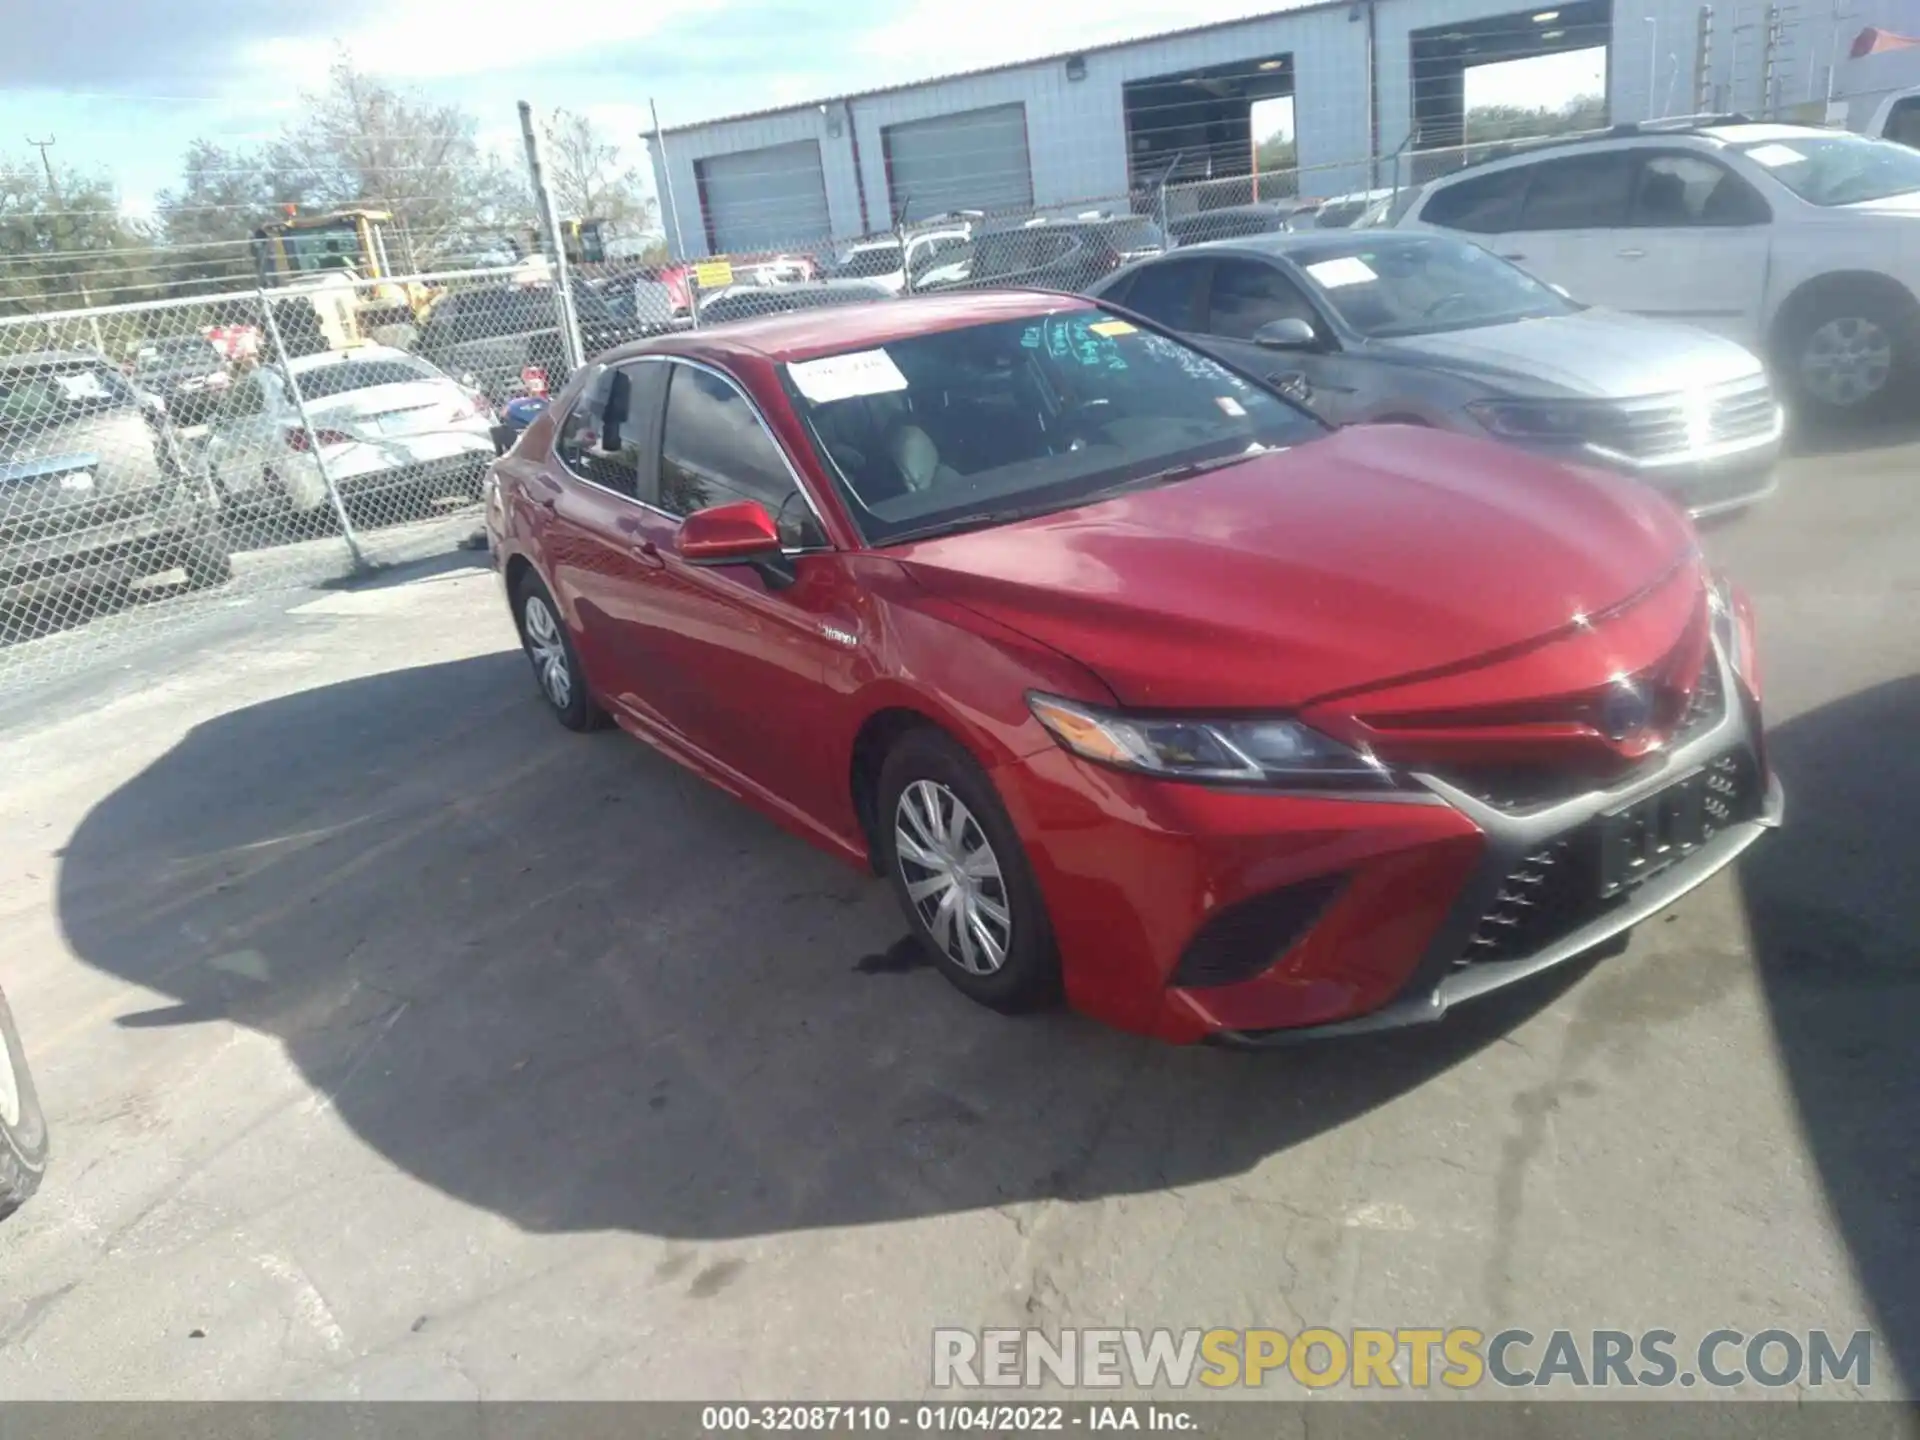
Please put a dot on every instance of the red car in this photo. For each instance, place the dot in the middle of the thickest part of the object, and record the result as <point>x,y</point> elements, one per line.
<point>1136,682</point>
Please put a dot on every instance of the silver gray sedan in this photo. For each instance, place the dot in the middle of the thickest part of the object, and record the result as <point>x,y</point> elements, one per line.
<point>1423,329</point>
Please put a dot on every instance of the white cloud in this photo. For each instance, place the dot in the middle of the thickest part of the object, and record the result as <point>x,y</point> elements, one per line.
<point>428,40</point>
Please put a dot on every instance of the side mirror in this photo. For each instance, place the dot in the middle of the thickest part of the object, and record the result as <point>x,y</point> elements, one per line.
<point>734,534</point>
<point>1289,334</point>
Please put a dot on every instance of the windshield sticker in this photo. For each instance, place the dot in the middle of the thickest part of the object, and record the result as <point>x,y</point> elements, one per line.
<point>1774,156</point>
<point>1073,340</point>
<point>842,377</point>
<point>1230,406</point>
<point>1347,270</point>
<point>1111,327</point>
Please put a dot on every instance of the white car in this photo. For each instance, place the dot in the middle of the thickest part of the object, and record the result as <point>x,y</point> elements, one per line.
<point>879,259</point>
<point>385,421</point>
<point>1802,244</point>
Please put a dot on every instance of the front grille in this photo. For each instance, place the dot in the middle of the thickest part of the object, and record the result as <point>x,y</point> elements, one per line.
<point>1516,789</point>
<point>1555,890</point>
<point>1666,426</point>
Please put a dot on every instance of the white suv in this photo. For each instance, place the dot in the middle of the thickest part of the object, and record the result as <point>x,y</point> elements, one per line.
<point>1803,244</point>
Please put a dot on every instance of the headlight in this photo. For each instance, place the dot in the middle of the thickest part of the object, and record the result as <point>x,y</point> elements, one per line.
<point>1727,628</point>
<point>1251,752</point>
<point>1545,419</point>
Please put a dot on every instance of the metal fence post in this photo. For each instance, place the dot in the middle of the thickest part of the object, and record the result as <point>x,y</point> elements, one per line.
<point>570,340</point>
<point>313,437</point>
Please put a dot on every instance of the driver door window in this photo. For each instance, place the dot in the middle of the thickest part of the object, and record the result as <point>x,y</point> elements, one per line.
<point>1247,295</point>
<point>714,449</point>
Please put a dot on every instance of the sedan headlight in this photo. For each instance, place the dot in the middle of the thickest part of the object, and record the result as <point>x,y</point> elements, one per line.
<point>1249,752</point>
<point>1728,627</point>
<point>1562,420</point>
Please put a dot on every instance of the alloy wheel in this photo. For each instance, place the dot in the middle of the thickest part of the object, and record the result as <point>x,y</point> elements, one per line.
<point>1846,361</point>
<point>548,650</point>
<point>953,878</point>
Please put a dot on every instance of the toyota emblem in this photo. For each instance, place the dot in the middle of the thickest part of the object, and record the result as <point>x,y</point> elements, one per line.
<point>1625,711</point>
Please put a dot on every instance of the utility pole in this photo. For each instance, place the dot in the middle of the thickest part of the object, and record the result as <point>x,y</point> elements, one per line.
<point>46,162</point>
<point>570,341</point>
<point>59,214</point>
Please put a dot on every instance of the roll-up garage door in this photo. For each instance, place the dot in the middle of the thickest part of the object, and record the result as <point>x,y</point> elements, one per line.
<point>770,199</point>
<point>976,160</point>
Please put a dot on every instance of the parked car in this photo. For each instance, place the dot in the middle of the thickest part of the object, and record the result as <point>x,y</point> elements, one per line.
<point>94,493</point>
<point>1131,678</point>
<point>1426,329</point>
<point>1230,222</point>
<point>1049,254</point>
<point>495,335</point>
<point>189,372</point>
<point>385,423</point>
<point>1340,212</point>
<point>739,302</point>
<point>1802,244</point>
<point>23,1125</point>
<point>879,258</point>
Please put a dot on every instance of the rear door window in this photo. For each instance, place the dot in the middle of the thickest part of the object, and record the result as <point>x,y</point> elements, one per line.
<point>1169,293</point>
<point>1481,204</point>
<point>1580,192</point>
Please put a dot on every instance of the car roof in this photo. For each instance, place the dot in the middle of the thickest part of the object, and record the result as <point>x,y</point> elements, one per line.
<point>1709,130</point>
<point>34,359</point>
<point>1285,242</point>
<point>827,329</point>
<point>301,364</point>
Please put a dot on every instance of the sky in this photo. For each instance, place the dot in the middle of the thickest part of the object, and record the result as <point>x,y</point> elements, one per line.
<point>122,86</point>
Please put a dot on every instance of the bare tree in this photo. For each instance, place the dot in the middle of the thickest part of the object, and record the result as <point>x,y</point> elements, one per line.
<point>590,180</point>
<point>365,143</point>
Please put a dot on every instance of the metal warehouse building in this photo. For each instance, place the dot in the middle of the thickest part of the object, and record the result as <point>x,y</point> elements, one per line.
<point>1367,78</point>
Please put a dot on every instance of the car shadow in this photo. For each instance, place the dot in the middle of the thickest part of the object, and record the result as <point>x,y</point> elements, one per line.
<point>1833,906</point>
<point>561,978</point>
<point>1812,438</point>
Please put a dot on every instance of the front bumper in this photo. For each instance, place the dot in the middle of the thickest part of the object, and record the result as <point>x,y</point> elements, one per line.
<point>122,548</point>
<point>1136,870</point>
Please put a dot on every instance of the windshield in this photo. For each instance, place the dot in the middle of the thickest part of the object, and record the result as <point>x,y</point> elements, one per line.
<point>338,379</point>
<point>1838,169</point>
<point>972,426</point>
<point>1424,286</point>
<point>47,396</point>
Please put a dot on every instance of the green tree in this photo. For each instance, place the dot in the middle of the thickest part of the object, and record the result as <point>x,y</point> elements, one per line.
<point>64,242</point>
<point>1277,152</point>
<point>1489,123</point>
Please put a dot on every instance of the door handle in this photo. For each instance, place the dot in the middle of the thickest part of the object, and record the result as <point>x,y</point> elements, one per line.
<point>1512,255</point>
<point>1632,254</point>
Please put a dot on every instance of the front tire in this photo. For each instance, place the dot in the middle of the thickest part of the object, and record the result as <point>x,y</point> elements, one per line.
<point>556,664</point>
<point>1848,350</point>
<point>961,876</point>
<point>23,1125</point>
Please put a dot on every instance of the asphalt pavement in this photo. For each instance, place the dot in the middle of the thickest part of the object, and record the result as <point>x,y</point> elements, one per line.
<point>399,1044</point>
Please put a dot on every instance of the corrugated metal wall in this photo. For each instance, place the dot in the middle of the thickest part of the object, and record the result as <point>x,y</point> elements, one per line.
<point>1077,131</point>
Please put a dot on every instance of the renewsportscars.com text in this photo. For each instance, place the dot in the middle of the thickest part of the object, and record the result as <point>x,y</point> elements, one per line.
<point>1459,1358</point>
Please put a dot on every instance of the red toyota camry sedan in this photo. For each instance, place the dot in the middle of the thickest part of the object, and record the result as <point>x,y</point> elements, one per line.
<point>1138,684</point>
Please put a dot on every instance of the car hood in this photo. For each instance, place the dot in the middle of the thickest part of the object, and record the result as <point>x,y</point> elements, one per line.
<point>1375,554</point>
<point>1593,353</point>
